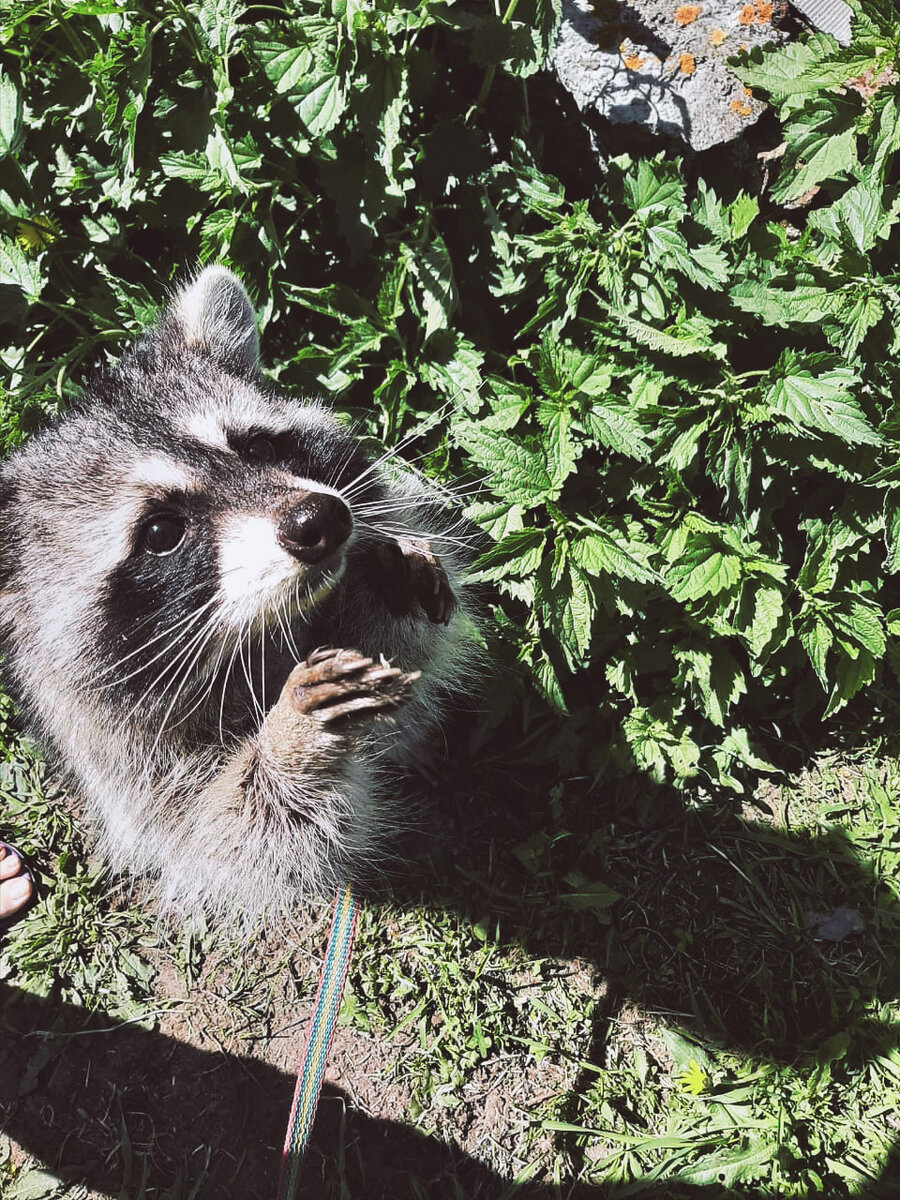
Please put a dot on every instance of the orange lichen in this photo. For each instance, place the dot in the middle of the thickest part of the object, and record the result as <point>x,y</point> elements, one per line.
<point>717,37</point>
<point>686,64</point>
<point>741,107</point>
<point>687,14</point>
<point>633,62</point>
<point>759,12</point>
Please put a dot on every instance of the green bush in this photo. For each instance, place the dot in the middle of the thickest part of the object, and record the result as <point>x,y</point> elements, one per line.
<point>679,401</point>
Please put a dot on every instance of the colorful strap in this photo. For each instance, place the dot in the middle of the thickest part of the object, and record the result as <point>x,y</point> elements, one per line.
<point>319,1034</point>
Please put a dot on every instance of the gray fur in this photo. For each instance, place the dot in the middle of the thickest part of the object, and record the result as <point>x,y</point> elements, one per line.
<point>166,682</point>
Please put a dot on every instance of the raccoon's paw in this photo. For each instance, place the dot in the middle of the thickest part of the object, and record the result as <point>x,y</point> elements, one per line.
<point>338,685</point>
<point>410,574</point>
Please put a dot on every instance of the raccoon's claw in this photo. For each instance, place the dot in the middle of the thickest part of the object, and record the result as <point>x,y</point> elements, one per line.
<point>336,684</point>
<point>408,574</point>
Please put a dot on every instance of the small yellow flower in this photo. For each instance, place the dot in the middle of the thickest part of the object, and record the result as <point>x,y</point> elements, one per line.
<point>35,234</point>
<point>694,1080</point>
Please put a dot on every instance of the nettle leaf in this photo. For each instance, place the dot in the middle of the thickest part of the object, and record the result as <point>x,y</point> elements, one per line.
<point>768,611</point>
<point>776,305</point>
<point>599,551</point>
<point>689,336</point>
<point>715,676</point>
<point>892,531</point>
<point>853,672</point>
<point>562,452</point>
<point>320,103</point>
<point>568,608</point>
<point>11,132</point>
<point>707,568</point>
<point>285,65</point>
<point>517,553</point>
<point>858,623</point>
<point>817,639</point>
<point>432,269</point>
<point>820,402</point>
<point>497,519</point>
<point>821,145</point>
<point>654,186</point>
<point>617,428</point>
<point>742,212</point>
<point>659,743</point>
<point>704,265</point>
<point>20,271</point>
<point>517,473</point>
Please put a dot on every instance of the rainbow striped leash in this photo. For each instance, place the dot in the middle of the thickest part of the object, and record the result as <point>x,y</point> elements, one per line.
<point>319,1034</point>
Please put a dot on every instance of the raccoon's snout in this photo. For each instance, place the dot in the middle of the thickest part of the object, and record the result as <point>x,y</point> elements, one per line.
<point>315,528</point>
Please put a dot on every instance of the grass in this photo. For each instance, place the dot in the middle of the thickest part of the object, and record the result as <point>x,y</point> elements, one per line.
<point>570,992</point>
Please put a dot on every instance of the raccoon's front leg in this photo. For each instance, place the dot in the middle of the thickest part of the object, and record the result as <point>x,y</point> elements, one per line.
<point>326,707</point>
<point>407,573</point>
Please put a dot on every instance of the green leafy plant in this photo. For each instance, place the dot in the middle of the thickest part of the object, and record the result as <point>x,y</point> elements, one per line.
<point>677,403</point>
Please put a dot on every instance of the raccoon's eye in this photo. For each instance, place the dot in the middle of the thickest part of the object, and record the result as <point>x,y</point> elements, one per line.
<point>261,450</point>
<point>163,533</point>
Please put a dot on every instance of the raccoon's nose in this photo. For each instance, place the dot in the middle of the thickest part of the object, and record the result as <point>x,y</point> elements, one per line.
<point>316,527</point>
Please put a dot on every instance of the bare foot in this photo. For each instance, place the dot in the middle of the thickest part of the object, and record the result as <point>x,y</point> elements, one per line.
<point>15,883</point>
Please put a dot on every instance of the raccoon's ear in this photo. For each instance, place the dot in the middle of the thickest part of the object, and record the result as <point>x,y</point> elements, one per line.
<point>213,314</point>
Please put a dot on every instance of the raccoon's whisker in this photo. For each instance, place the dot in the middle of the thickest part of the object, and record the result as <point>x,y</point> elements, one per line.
<point>284,622</point>
<point>262,656</point>
<point>435,540</point>
<point>173,666</point>
<point>189,666</point>
<point>246,666</point>
<point>225,679</point>
<point>205,693</point>
<point>167,632</point>
<point>392,451</point>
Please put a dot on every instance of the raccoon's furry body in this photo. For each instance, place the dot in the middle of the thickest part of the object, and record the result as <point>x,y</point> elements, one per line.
<point>176,555</point>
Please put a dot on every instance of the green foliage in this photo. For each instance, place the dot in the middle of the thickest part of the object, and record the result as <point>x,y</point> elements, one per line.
<point>677,404</point>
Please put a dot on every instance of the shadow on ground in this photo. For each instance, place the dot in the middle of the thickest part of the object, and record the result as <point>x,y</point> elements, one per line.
<point>713,927</point>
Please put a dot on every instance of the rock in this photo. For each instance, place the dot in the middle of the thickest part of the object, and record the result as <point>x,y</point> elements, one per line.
<point>661,65</point>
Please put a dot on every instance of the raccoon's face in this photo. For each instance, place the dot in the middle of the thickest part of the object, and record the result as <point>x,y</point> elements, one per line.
<point>182,519</point>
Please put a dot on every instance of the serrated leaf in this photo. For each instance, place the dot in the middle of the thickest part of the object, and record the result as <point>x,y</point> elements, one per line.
<point>11,133</point>
<point>742,212</point>
<point>860,621</point>
<point>602,553</point>
<point>518,474</point>
<point>726,1167</point>
<point>696,339</point>
<point>17,270</point>
<point>286,66</point>
<point>817,640</point>
<point>616,428</point>
<point>705,569</point>
<point>432,269</point>
<point>852,673</point>
<point>823,403</point>
<point>321,104</point>
<point>892,531</point>
<point>768,609</point>
<point>561,451</point>
<point>652,186</point>
<point>519,552</point>
<point>497,519</point>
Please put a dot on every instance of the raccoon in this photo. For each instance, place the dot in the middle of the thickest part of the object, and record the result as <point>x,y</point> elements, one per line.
<point>224,618</point>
